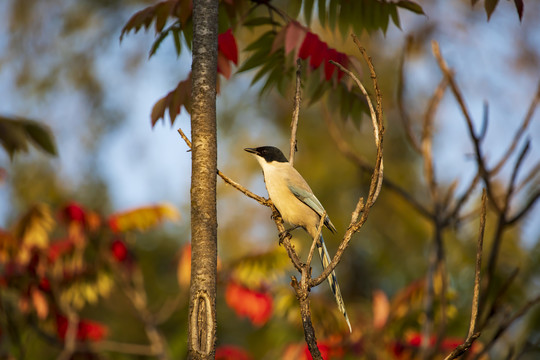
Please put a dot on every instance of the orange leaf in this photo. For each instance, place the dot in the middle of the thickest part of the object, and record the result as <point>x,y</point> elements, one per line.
<point>223,66</point>
<point>40,303</point>
<point>183,271</point>
<point>142,218</point>
<point>381,309</point>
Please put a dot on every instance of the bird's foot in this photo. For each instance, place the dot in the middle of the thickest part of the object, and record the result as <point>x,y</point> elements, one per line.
<point>283,235</point>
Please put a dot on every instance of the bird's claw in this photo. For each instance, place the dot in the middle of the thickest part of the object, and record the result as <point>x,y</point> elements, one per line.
<point>283,235</point>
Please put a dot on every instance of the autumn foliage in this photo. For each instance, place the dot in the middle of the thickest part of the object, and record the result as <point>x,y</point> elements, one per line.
<point>49,275</point>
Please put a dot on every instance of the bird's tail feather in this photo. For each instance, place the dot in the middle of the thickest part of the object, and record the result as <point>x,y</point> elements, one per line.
<point>332,280</point>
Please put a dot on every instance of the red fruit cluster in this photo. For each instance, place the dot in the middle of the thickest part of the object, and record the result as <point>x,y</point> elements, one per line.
<point>255,305</point>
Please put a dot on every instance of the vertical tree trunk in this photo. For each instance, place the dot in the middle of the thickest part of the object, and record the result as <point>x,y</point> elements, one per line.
<point>202,309</point>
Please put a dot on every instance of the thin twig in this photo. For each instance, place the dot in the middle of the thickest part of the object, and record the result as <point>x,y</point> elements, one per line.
<point>482,168</point>
<point>508,322</point>
<point>376,178</point>
<point>296,111</point>
<point>478,266</point>
<point>520,132</point>
<point>402,112</point>
<point>230,181</point>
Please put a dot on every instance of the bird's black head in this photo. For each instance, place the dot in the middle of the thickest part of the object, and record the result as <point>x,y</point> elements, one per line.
<point>268,153</point>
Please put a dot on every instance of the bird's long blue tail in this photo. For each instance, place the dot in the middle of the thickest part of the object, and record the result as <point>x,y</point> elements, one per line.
<point>332,280</point>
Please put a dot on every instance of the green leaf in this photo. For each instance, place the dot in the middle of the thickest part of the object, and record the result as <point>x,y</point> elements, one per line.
<point>293,8</point>
<point>273,78</point>
<point>385,17</point>
<point>254,60</point>
<point>318,93</point>
<point>41,136</point>
<point>177,42</point>
<point>275,59</point>
<point>264,41</point>
<point>519,8</point>
<point>12,137</point>
<point>395,16</point>
<point>412,6</point>
<point>188,33</point>
<point>346,16</point>
<point>15,134</point>
<point>308,10</point>
<point>332,14</point>
<point>490,6</point>
<point>321,5</point>
<point>162,14</point>
<point>259,21</point>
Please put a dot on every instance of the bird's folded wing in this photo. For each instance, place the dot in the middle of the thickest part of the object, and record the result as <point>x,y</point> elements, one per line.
<point>310,200</point>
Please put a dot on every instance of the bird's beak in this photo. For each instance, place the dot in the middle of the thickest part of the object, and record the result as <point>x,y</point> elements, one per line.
<point>252,150</point>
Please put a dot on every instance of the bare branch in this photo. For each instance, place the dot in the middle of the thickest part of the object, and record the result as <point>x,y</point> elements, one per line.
<point>427,138</point>
<point>461,349</point>
<point>296,111</point>
<point>482,168</point>
<point>508,322</point>
<point>402,112</point>
<point>231,182</point>
<point>525,209</point>
<point>520,132</point>
<point>504,288</point>
<point>377,176</point>
<point>478,266</point>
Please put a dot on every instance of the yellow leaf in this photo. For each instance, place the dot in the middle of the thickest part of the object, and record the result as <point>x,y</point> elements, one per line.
<point>104,284</point>
<point>257,270</point>
<point>143,218</point>
<point>34,227</point>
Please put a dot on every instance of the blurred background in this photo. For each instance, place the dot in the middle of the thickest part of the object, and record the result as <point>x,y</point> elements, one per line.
<point>62,64</point>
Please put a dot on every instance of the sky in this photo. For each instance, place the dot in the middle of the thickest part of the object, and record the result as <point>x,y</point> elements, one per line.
<point>145,165</point>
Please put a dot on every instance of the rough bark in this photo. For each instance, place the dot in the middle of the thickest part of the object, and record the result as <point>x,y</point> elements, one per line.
<point>202,309</point>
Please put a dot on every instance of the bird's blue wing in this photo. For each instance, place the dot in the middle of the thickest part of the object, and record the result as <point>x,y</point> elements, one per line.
<point>310,200</point>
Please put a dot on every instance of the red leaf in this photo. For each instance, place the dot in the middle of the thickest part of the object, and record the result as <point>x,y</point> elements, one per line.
<point>255,305</point>
<point>309,45</point>
<point>343,59</point>
<point>331,54</point>
<point>228,352</point>
<point>227,46</point>
<point>318,54</point>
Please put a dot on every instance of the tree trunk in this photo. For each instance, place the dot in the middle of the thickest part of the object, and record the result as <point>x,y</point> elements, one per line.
<point>202,306</point>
